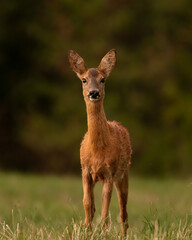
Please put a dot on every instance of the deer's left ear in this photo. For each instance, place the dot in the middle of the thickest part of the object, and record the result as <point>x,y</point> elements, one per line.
<point>108,62</point>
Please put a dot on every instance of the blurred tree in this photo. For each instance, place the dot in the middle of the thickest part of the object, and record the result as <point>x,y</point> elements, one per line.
<point>42,114</point>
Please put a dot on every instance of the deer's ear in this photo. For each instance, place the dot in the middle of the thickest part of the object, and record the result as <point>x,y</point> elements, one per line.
<point>108,62</point>
<point>77,63</point>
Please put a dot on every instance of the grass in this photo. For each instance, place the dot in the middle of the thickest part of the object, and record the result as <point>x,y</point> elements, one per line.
<point>50,207</point>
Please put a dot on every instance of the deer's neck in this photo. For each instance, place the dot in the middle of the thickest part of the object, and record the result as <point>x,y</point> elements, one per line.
<point>98,129</point>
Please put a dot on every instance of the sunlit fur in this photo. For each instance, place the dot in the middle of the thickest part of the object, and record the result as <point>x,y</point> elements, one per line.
<point>105,150</point>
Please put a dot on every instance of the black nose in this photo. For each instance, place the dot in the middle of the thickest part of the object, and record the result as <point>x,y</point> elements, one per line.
<point>94,94</point>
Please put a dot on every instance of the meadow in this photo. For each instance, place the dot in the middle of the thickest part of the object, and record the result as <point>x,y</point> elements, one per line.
<point>40,207</point>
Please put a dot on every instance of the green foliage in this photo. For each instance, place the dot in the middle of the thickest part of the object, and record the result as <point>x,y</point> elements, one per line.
<point>49,207</point>
<point>42,113</point>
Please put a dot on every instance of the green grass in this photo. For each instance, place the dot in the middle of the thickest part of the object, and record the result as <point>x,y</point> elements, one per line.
<point>50,207</point>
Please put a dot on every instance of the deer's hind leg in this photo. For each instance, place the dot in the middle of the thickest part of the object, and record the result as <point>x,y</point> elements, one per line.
<point>88,198</point>
<point>122,192</point>
<point>106,197</point>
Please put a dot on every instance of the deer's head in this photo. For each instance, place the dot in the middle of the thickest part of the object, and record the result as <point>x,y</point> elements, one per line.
<point>93,79</point>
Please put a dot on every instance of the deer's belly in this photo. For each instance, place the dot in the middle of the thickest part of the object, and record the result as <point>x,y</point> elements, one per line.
<point>99,174</point>
<point>101,170</point>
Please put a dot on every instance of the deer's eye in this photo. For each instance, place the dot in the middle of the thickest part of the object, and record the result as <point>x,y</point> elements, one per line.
<point>84,80</point>
<point>103,80</point>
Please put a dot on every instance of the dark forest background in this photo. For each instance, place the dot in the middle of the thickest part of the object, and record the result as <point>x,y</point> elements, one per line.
<point>42,112</point>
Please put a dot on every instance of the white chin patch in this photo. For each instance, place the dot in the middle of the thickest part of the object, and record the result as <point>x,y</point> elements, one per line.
<point>94,99</point>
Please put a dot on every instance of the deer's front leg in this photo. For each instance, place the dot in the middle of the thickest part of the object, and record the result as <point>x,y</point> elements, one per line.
<point>106,197</point>
<point>122,192</point>
<point>88,199</point>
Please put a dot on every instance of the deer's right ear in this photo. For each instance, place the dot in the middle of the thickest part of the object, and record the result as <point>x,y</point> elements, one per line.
<point>77,63</point>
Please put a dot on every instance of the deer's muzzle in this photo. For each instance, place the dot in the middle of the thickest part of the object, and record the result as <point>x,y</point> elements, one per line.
<point>94,95</point>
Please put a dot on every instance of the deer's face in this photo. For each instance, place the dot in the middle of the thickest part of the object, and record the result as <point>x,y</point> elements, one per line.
<point>93,83</point>
<point>93,79</point>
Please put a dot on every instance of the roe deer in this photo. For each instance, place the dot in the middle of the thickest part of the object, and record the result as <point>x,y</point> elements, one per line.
<point>105,150</point>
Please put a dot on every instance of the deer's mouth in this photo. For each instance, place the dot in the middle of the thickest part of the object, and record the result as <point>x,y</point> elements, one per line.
<point>94,99</point>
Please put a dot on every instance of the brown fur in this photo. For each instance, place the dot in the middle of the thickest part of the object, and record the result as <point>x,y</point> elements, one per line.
<point>105,150</point>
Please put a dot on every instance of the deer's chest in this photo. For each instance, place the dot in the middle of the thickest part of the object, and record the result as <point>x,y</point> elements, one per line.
<point>102,166</point>
<point>99,160</point>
